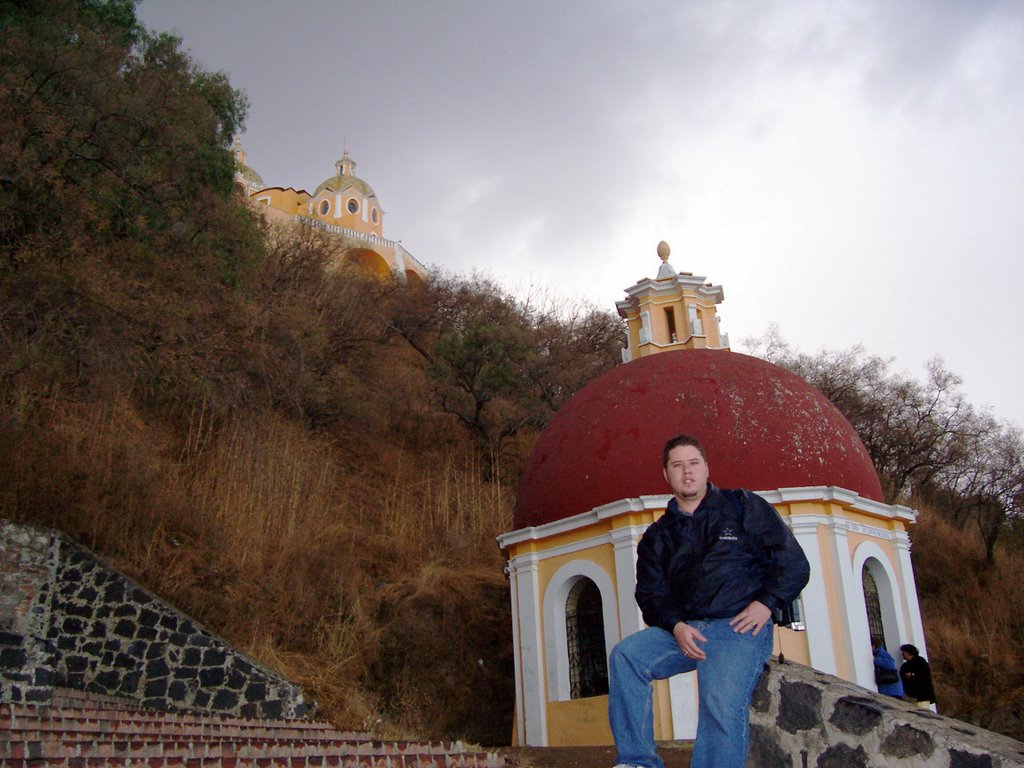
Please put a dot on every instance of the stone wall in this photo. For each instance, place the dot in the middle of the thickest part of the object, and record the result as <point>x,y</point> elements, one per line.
<point>802,718</point>
<point>67,619</point>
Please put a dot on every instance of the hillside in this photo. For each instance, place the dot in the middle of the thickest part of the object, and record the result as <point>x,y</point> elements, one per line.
<point>312,462</point>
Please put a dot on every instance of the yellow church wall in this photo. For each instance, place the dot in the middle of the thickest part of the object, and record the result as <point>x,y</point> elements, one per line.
<point>710,324</point>
<point>602,555</point>
<point>337,213</point>
<point>657,307</point>
<point>584,722</point>
<point>579,722</point>
<point>288,200</point>
<point>833,589</point>
<point>792,644</point>
<point>659,320</point>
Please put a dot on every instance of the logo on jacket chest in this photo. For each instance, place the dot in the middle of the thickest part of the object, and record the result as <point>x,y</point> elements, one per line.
<point>728,533</point>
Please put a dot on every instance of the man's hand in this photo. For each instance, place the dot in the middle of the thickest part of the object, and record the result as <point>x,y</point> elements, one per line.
<point>687,638</point>
<point>753,617</point>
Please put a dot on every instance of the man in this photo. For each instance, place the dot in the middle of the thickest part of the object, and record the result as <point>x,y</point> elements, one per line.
<point>710,573</point>
<point>916,675</point>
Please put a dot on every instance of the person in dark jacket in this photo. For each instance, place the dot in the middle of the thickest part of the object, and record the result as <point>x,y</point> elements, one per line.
<point>916,675</point>
<point>710,573</point>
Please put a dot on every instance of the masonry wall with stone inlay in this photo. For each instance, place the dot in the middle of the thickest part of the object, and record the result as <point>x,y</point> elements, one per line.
<point>802,718</point>
<point>67,619</point>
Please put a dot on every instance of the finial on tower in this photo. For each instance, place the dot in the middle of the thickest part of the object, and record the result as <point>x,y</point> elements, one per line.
<point>346,165</point>
<point>666,270</point>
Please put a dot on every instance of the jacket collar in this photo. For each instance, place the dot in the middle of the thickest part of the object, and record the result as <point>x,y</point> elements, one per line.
<point>713,499</point>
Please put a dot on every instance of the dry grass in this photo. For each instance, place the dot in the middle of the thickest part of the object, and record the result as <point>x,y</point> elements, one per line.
<point>974,623</point>
<point>262,530</point>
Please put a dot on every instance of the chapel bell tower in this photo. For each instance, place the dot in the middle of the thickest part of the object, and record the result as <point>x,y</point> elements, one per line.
<point>676,310</point>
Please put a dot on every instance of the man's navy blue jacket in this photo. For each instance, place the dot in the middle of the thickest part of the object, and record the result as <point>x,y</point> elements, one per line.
<point>735,548</point>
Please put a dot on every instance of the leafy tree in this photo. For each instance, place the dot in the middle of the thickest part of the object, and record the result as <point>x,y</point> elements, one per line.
<point>119,232</point>
<point>499,364</point>
<point>110,133</point>
<point>574,344</point>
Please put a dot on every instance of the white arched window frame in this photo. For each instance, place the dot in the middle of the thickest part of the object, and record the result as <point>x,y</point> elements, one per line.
<point>696,323</point>
<point>870,555</point>
<point>556,641</point>
<point>645,328</point>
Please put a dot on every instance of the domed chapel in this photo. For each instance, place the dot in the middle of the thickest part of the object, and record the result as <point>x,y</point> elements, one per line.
<point>593,484</point>
<point>343,205</point>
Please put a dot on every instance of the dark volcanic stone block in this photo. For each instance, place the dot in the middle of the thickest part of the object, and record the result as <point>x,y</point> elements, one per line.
<point>155,689</point>
<point>761,700</point>
<point>211,678</point>
<point>959,759</point>
<point>906,741</point>
<point>225,700</point>
<point>800,707</point>
<point>765,751</point>
<point>843,756</point>
<point>13,658</point>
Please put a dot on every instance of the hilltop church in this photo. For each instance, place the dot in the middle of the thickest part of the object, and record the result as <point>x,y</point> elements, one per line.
<point>593,484</point>
<point>343,205</point>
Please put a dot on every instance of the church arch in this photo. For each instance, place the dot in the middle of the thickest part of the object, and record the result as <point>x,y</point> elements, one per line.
<point>369,260</point>
<point>587,581</point>
<point>880,591</point>
<point>584,632</point>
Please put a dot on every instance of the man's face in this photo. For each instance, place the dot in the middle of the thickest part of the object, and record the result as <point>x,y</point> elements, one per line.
<point>687,474</point>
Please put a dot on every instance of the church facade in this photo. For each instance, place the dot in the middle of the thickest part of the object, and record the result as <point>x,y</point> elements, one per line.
<point>593,484</point>
<point>343,205</point>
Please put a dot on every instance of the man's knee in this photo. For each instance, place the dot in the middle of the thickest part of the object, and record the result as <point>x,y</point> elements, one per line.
<point>626,652</point>
<point>619,654</point>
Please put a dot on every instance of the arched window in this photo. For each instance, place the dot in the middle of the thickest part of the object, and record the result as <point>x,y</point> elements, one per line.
<point>873,604</point>
<point>584,629</point>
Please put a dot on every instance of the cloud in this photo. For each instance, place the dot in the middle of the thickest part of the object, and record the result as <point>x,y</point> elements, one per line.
<point>852,170</point>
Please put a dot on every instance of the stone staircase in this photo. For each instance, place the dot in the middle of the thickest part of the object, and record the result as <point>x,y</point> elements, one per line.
<point>80,732</point>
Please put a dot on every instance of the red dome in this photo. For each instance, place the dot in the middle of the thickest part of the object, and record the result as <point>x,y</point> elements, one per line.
<point>763,428</point>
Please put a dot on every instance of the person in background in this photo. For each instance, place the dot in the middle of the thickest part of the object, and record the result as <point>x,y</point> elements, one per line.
<point>887,677</point>
<point>917,677</point>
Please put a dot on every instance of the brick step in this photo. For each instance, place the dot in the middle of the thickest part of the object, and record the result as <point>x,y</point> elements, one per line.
<point>246,762</point>
<point>96,734</point>
<point>49,712</point>
<point>70,697</point>
<point>40,730</point>
<point>157,745</point>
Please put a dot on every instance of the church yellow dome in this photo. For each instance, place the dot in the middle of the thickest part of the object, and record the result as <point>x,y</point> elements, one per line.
<point>345,178</point>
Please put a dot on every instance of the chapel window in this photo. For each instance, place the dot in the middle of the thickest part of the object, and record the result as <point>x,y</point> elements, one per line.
<point>584,625</point>
<point>670,318</point>
<point>873,604</point>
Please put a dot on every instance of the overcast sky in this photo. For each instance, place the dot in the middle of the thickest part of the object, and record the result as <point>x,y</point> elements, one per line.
<point>852,171</point>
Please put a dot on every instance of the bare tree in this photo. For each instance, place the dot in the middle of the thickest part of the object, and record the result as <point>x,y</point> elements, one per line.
<point>924,438</point>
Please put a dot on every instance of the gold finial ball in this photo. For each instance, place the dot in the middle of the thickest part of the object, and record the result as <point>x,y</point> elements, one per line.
<point>663,250</point>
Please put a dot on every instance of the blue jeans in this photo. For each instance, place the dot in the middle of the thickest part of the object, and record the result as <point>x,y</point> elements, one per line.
<point>725,683</point>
